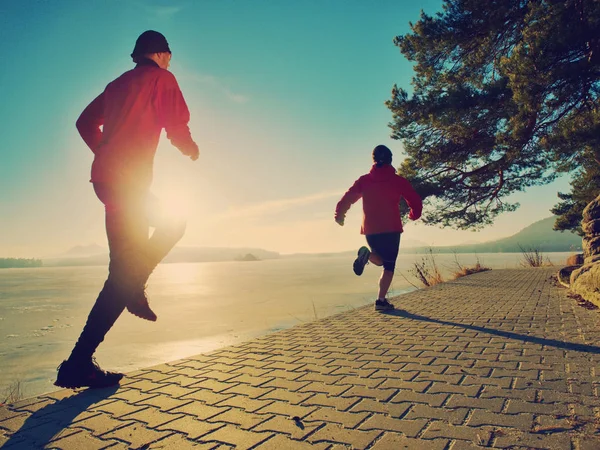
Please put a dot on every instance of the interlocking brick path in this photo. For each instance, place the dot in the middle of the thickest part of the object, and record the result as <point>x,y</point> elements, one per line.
<point>502,359</point>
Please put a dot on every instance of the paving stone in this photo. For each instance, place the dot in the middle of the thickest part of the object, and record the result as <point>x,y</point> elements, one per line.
<point>178,442</point>
<point>136,435</point>
<point>320,378</point>
<point>200,410</point>
<point>245,403</point>
<point>119,408</point>
<point>287,409</point>
<point>146,386</point>
<point>347,419</point>
<point>337,434</point>
<point>248,391</point>
<point>6,414</point>
<point>297,429</point>
<point>239,417</point>
<point>173,390</point>
<point>240,439</point>
<point>395,441</point>
<point>521,439</point>
<point>329,389</point>
<point>191,426</point>
<point>527,395</point>
<point>152,417</point>
<point>80,440</point>
<point>280,442</point>
<point>421,411</point>
<point>521,421</point>
<point>101,424</point>
<point>410,428</point>
<point>132,395</point>
<point>439,429</point>
<point>490,404</point>
<point>289,385</point>
<point>294,398</point>
<point>278,373</point>
<point>33,406</point>
<point>469,391</point>
<point>517,406</point>
<point>338,403</point>
<point>206,396</point>
<point>212,385</point>
<point>417,397</point>
<point>415,386</point>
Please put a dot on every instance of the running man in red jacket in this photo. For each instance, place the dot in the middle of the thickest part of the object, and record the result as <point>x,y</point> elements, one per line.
<point>132,111</point>
<point>381,191</point>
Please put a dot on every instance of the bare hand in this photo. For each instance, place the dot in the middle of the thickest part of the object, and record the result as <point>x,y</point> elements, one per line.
<point>194,156</point>
<point>340,221</point>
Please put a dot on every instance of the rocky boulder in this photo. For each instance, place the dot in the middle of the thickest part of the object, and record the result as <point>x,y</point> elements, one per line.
<point>585,280</point>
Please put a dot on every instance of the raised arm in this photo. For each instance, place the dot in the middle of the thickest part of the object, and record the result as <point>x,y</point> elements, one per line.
<point>350,197</point>
<point>176,116</point>
<point>89,122</point>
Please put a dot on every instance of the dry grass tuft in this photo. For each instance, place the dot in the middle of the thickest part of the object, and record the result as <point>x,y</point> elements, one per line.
<point>533,257</point>
<point>13,393</point>
<point>463,271</point>
<point>427,270</point>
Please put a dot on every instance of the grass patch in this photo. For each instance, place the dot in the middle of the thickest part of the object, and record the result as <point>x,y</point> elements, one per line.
<point>533,257</point>
<point>427,270</point>
<point>13,393</point>
<point>463,271</point>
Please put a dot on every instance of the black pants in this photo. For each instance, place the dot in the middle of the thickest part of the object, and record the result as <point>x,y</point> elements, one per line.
<point>133,257</point>
<point>386,245</point>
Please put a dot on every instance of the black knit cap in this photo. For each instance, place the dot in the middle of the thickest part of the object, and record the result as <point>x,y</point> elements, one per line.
<point>382,155</point>
<point>150,42</point>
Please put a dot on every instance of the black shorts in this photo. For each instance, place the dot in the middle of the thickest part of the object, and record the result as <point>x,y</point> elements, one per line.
<point>386,245</point>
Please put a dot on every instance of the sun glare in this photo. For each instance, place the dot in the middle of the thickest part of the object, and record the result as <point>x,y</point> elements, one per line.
<point>170,206</point>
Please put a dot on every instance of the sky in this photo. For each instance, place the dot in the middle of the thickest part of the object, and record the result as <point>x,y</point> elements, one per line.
<point>286,101</point>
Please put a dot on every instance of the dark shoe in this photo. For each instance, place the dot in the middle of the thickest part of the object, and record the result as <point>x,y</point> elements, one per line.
<point>73,374</point>
<point>383,305</point>
<point>141,308</point>
<point>361,261</point>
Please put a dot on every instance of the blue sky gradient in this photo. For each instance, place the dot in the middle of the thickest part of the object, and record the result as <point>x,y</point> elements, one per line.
<point>287,101</point>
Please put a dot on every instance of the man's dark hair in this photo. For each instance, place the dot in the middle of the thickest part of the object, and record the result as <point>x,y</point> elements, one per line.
<point>149,42</point>
<point>382,155</point>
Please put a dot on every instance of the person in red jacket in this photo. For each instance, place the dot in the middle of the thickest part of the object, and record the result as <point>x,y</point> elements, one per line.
<point>132,111</point>
<point>381,191</point>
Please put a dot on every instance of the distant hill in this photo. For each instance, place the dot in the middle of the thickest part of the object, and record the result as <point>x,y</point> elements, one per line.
<point>79,257</point>
<point>539,235</point>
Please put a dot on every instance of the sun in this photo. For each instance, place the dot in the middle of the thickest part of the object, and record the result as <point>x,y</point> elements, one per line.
<point>169,206</point>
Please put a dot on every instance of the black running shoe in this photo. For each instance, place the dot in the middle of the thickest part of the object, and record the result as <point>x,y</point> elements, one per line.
<point>383,305</point>
<point>361,260</point>
<point>73,375</point>
<point>141,308</point>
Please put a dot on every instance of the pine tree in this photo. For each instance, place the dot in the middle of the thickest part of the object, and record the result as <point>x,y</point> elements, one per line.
<point>504,97</point>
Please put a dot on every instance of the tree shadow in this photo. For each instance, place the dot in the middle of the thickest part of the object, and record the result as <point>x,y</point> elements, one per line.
<point>507,334</point>
<point>48,422</point>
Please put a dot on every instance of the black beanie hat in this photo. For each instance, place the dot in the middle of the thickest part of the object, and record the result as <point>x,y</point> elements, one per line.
<point>382,155</point>
<point>150,42</point>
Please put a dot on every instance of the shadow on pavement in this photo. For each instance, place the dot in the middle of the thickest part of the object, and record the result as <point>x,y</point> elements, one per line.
<point>47,423</point>
<point>507,334</point>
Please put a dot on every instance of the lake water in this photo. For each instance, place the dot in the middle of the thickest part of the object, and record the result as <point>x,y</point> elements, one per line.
<point>200,307</point>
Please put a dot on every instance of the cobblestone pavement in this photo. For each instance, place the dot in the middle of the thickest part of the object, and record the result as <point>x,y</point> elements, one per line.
<point>501,359</point>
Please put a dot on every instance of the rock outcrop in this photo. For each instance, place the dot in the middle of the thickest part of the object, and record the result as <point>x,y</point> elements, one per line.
<point>585,280</point>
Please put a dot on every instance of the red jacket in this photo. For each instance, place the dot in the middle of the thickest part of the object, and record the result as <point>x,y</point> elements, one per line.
<point>381,190</point>
<point>133,110</point>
